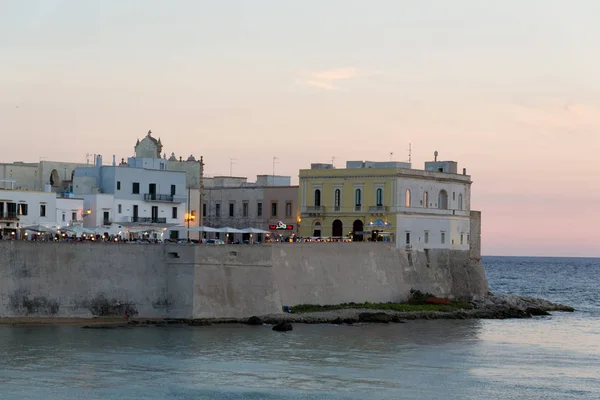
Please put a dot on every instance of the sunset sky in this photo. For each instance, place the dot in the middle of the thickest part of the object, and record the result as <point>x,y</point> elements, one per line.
<point>509,89</point>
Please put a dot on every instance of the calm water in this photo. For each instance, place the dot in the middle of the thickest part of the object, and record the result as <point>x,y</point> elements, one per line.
<point>554,357</point>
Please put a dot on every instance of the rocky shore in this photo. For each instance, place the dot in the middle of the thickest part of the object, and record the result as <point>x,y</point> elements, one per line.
<point>492,307</point>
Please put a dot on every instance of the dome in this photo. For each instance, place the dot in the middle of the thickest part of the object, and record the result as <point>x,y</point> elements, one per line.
<point>172,158</point>
<point>191,158</point>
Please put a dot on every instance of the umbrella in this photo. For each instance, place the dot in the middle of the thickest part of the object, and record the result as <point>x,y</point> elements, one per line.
<point>228,230</point>
<point>39,228</point>
<point>78,230</point>
<point>254,230</point>
<point>202,229</point>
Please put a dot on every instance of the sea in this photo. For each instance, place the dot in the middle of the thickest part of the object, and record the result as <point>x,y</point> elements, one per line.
<point>552,357</point>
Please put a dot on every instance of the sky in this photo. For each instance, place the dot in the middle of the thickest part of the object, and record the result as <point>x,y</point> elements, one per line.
<point>510,90</point>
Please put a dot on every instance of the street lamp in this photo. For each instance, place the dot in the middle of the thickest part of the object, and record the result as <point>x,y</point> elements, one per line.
<point>189,217</point>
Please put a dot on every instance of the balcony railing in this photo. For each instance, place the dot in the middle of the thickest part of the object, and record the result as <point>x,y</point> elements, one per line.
<point>169,198</point>
<point>313,210</point>
<point>149,220</point>
<point>9,216</point>
<point>378,209</point>
<point>358,208</point>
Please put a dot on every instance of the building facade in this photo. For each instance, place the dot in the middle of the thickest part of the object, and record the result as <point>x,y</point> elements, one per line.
<point>387,201</point>
<point>22,208</point>
<point>269,204</point>
<point>132,197</point>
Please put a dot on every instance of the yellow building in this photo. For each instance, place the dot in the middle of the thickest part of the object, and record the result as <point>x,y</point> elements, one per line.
<point>349,202</point>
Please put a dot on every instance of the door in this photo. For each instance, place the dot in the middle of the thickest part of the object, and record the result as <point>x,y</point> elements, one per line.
<point>154,213</point>
<point>106,218</point>
<point>152,191</point>
<point>135,214</point>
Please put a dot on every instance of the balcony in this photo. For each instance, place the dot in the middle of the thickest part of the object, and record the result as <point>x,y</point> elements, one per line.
<point>9,216</point>
<point>149,220</point>
<point>378,209</point>
<point>313,210</point>
<point>165,198</point>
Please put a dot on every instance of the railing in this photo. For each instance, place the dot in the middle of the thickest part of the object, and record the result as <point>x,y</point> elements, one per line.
<point>9,216</point>
<point>161,197</point>
<point>106,222</point>
<point>149,220</point>
<point>358,208</point>
<point>378,209</point>
<point>313,209</point>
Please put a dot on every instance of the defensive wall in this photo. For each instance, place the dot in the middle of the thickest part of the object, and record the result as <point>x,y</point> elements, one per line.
<point>180,281</point>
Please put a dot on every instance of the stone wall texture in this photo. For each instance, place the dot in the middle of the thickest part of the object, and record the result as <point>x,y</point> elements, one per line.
<point>180,281</point>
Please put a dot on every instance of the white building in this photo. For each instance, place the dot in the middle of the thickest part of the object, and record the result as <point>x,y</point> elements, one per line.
<point>22,208</point>
<point>131,197</point>
<point>433,207</point>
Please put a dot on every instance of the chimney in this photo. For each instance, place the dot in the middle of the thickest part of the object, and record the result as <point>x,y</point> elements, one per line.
<point>464,171</point>
<point>98,160</point>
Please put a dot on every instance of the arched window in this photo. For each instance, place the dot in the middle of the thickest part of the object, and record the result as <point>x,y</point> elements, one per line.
<point>443,200</point>
<point>337,199</point>
<point>425,200</point>
<point>379,197</point>
<point>460,202</point>
<point>318,198</point>
<point>407,199</point>
<point>358,198</point>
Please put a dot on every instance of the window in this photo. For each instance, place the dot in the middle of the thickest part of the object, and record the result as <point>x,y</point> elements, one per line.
<point>407,198</point>
<point>407,237</point>
<point>426,237</point>
<point>274,209</point>
<point>135,189</point>
<point>358,197</point>
<point>318,198</point>
<point>119,209</point>
<point>461,238</point>
<point>174,212</point>
<point>73,216</point>
<point>118,185</point>
<point>204,209</point>
<point>245,209</point>
<point>337,195</point>
<point>425,199</point>
<point>460,202</point>
<point>259,209</point>
<point>288,209</point>
<point>63,217</point>
<point>173,190</point>
<point>231,209</point>
<point>443,237</point>
<point>453,196</point>
<point>22,210</point>
<point>443,200</point>
<point>468,238</point>
<point>42,210</point>
<point>218,209</point>
<point>379,197</point>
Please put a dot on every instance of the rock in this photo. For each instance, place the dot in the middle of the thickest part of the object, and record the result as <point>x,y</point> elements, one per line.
<point>254,320</point>
<point>535,311</point>
<point>396,319</point>
<point>283,327</point>
<point>199,322</point>
<point>350,321</point>
<point>378,317</point>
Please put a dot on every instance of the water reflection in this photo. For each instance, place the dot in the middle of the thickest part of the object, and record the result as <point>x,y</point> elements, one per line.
<point>419,359</point>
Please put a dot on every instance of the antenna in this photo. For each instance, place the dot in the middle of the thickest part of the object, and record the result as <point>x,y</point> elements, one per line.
<point>231,162</point>
<point>435,155</point>
<point>87,157</point>
<point>333,161</point>
<point>391,155</point>
<point>409,153</point>
<point>275,160</point>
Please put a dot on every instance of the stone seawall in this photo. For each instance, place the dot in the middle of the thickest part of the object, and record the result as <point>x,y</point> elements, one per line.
<point>180,281</point>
